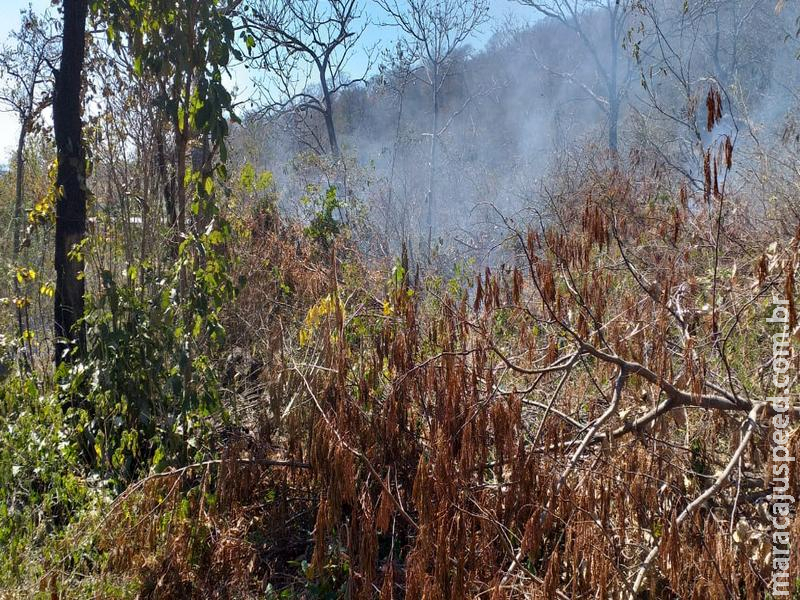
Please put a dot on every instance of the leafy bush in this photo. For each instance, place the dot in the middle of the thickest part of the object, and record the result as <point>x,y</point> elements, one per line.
<point>146,389</point>
<point>324,227</point>
<point>43,487</point>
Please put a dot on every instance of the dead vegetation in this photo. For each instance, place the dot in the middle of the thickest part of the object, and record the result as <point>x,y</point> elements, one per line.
<point>590,421</point>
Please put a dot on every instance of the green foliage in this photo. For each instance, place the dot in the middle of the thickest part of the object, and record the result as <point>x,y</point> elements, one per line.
<point>461,281</point>
<point>145,390</point>
<point>257,191</point>
<point>323,227</point>
<point>42,485</point>
<point>145,393</point>
<point>147,387</point>
<point>181,41</point>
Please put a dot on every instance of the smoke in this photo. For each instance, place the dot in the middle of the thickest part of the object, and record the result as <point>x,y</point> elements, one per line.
<point>532,98</point>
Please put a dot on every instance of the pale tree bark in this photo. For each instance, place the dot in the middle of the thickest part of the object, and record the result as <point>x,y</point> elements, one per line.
<point>573,14</point>
<point>434,31</point>
<point>18,195</point>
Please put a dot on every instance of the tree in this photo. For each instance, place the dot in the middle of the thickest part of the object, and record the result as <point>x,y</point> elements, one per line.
<point>71,183</point>
<point>300,42</point>
<point>684,51</point>
<point>185,57</point>
<point>435,30</point>
<point>577,16</point>
<point>395,77</point>
<point>186,49</point>
<point>26,68</point>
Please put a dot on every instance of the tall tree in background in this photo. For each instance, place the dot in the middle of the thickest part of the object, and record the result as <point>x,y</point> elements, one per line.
<point>70,182</point>
<point>434,31</point>
<point>395,76</point>
<point>25,68</point>
<point>605,50</point>
<point>303,44</point>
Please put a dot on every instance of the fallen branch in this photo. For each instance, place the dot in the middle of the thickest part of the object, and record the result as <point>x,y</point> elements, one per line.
<point>749,426</point>
<point>612,408</point>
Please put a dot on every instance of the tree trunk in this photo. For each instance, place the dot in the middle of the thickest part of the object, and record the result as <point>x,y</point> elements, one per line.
<point>18,194</point>
<point>331,132</point>
<point>613,124</point>
<point>71,179</point>
<point>433,157</point>
<point>330,125</point>
<point>166,176</point>
<point>613,92</point>
<point>613,84</point>
<point>390,200</point>
<point>329,122</point>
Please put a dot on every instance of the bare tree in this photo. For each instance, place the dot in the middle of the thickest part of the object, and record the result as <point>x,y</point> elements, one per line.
<point>306,43</point>
<point>27,72</point>
<point>395,75</point>
<point>684,52</point>
<point>605,50</point>
<point>725,23</point>
<point>435,30</point>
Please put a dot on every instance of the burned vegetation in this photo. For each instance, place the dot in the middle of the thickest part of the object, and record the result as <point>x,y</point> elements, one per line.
<point>306,382</point>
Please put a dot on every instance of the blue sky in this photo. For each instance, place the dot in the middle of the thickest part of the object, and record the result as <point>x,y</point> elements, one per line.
<point>9,14</point>
<point>500,10</point>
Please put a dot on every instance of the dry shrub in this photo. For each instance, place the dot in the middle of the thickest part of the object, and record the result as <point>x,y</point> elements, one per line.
<point>537,441</point>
